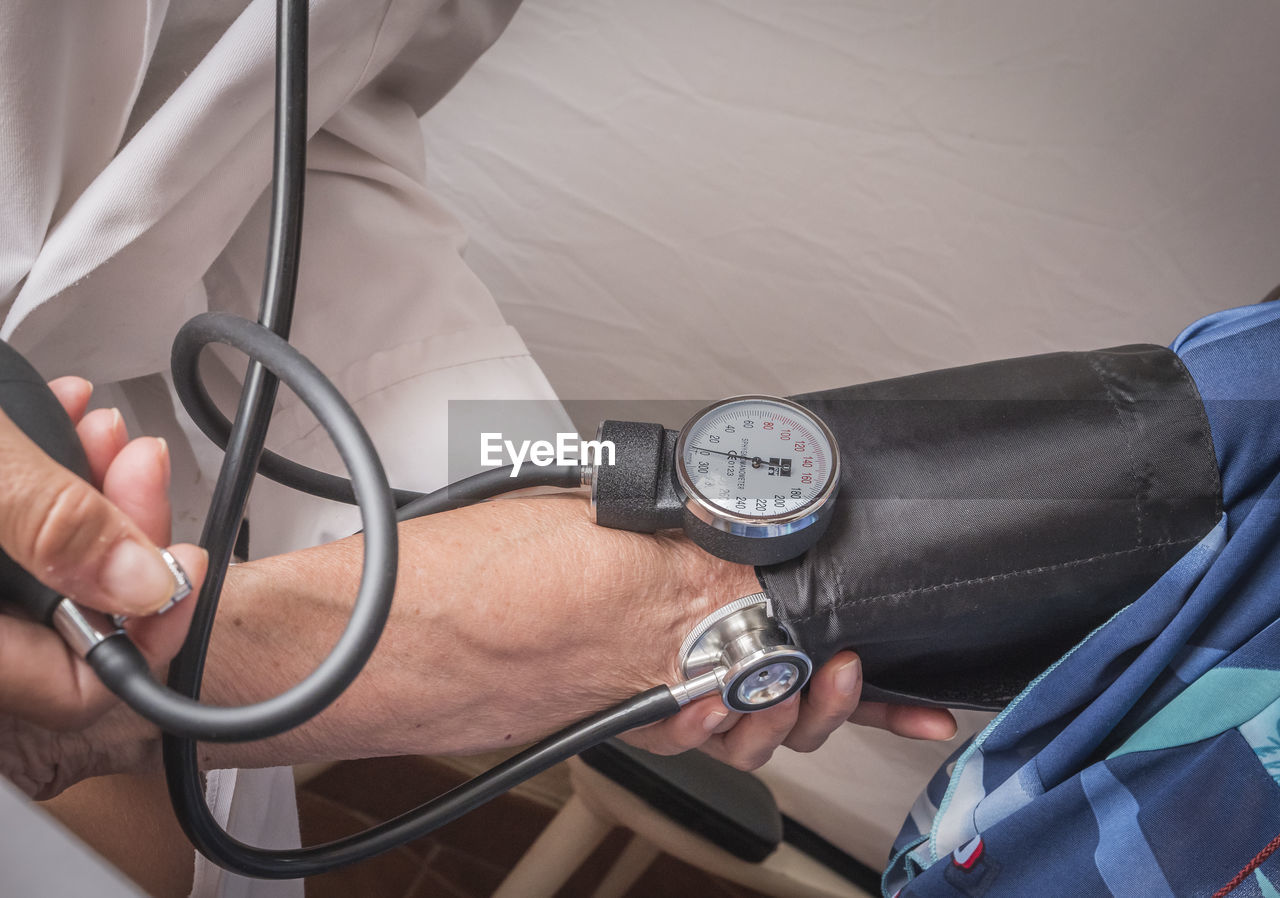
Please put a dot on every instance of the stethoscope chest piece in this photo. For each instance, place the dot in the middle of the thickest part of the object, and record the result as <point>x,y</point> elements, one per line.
<point>752,657</point>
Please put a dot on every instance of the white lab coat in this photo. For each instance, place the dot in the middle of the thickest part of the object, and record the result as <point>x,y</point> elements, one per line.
<point>135,148</point>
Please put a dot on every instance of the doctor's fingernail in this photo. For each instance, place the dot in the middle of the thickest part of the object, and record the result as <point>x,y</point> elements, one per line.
<point>136,577</point>
<point>165,460</point>
<point>849,676</point>
<point>714,719</point>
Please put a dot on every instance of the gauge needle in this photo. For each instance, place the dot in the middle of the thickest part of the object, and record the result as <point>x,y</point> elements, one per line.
<point>756,461</point>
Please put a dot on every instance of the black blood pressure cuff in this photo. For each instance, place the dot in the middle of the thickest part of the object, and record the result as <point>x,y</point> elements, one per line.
<point>989,517</point>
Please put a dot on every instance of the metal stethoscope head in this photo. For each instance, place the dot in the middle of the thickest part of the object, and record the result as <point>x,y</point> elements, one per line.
<point>743,653</point>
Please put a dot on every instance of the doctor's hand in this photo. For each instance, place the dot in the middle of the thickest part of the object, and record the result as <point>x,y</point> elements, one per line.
<point>93,542</point>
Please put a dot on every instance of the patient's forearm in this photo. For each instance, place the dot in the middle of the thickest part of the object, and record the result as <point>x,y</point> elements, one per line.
<point>511,619</point>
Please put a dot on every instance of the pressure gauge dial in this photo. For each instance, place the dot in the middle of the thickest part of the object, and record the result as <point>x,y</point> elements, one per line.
<point>759,475</point>
<point>751,479</point>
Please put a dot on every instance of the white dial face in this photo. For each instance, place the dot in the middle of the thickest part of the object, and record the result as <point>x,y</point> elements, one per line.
<point>757,458</point>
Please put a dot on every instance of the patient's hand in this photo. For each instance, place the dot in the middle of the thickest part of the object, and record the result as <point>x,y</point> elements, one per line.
<point>803,722</point>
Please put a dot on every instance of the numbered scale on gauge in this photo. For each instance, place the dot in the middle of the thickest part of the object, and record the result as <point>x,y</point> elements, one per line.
<point>758,467</point>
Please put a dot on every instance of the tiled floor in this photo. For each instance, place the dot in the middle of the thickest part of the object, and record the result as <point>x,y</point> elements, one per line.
<point>468,858</point>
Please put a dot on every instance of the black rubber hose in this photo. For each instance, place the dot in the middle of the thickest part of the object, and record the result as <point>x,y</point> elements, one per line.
<point>213,424</point>
<point>276,310</point>
<point>648,707</point>
<point>205,413</point>
<point>175,710</point>
<point>488,484</point>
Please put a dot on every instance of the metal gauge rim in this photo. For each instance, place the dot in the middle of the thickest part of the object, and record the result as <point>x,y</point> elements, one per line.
<point>757,526</point>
